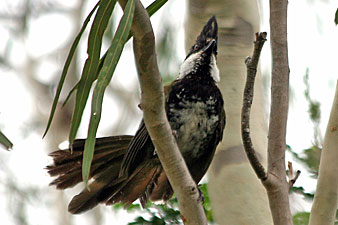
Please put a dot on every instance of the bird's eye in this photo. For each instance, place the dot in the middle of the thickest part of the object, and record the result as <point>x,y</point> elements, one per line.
<point>196,47</point>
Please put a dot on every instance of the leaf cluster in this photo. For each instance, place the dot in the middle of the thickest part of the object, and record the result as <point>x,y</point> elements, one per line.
<point>165,213</point>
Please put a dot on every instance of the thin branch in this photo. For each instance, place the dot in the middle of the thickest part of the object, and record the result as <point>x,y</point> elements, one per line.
<point>251,64</point>
<point>152,104</point>
<point>292,178</point>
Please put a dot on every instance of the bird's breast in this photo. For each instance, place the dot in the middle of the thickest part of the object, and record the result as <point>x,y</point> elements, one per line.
<point>194,122</point>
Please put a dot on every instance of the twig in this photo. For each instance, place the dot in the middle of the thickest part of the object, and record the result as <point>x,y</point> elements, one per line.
<point>292,178</point>
<point>251,64</point>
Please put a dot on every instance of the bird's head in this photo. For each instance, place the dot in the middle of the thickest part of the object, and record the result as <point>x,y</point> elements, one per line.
<point>201,58</point>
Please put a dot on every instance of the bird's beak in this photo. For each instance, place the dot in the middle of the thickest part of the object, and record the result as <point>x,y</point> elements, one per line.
<point>210,45</point>
<point>209,35</point>
<point>210,30</point>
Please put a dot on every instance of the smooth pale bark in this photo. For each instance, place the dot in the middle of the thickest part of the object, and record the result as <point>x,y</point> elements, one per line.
<point>326,198</point>
<point>237,196</point>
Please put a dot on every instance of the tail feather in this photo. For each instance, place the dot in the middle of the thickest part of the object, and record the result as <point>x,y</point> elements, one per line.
<point>86,199</point>
<point>124,189</point>
<point>139,185</point>
<point>68,165</point>
<point>74,161</point>
<point>106,186</point>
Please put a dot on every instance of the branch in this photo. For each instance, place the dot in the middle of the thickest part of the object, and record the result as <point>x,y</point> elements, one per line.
<point>277,187</point>
<point>325,202</point>
<point>292,178</point>
<point>152,103</point>
<point>251,64</point>
<point>279,87</point>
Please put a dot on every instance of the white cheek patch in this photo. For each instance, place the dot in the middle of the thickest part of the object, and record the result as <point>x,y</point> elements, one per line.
<point>193,61</point>
<point>214,71</point>
<point>190,64</point>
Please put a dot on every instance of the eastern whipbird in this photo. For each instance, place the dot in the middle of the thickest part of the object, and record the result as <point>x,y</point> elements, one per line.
<point>126,168</point>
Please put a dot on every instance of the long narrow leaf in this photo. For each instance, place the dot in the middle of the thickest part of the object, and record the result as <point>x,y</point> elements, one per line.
<point>70,94</point>
<point>66,66</point>
<point>104,77</point>
<point>151,9</point>
<point>5,141</point>
<point>155,6</point>
<point>90,68</point>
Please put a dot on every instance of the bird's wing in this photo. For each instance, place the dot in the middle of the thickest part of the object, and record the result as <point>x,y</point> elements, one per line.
<point>220,127</point>
<point>199,166</point>
<point>136,150</point>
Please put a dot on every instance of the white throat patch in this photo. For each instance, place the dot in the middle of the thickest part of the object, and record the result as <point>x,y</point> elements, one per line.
<point>193,61</point>
<point>214,71</point>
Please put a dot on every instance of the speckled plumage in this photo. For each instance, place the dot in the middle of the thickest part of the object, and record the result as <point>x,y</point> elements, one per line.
<point>126,168</point>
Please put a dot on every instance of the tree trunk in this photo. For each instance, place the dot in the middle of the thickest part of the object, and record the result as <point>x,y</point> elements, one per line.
<point>326,198</point>
<point>237,196</point>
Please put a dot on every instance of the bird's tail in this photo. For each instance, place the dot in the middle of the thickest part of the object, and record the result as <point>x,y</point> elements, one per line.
<point>106,186</point>
<point>67,165</point>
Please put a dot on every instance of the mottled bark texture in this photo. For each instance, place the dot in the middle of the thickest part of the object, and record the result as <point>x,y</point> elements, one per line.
<point>251,64</point>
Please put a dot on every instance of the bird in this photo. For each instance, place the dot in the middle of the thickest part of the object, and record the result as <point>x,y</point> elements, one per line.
<point>126,167</point>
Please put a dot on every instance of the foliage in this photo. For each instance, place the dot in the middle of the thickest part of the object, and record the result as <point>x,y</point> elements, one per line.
<point>5,141</point>
<point>314,111</point>
<point>310,157</point>
<point>103,79</point>
<point>301,218</point>
<point>166,213</point>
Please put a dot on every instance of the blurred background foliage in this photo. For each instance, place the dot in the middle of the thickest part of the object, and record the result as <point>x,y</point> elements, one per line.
<point>166,213</point>
<point>309,157</point>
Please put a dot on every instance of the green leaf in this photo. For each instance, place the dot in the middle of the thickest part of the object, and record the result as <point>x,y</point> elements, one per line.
<point>151,9</point>
<point>5,141</point>
<point>104,77</point>
<point>90,68</point>
<point>300,190</point>
<point>66,66</point>
<point>70,94</point>
<point>167,213</point>
<point>301,218</point>
<point>336,17</point>
<point>310,157</point>
<point>155,6</point>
